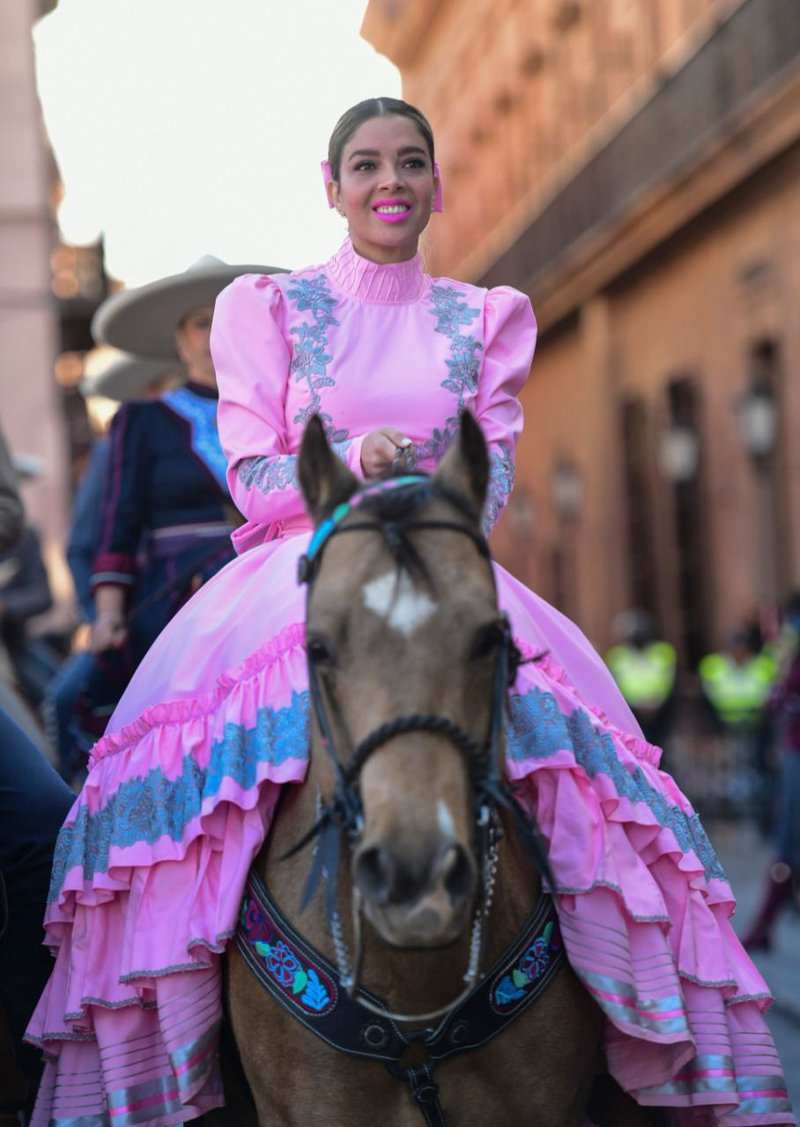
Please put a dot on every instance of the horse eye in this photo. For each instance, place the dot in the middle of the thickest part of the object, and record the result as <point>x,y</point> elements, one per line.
<point>318,651</point>
<point>486,640</point>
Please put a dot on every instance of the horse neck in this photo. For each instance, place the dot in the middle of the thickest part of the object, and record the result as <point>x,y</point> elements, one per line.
<point>409,981</point>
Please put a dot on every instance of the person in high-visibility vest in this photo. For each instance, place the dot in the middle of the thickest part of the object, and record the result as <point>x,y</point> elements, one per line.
<point>644,666</point>
<point>737,683</point>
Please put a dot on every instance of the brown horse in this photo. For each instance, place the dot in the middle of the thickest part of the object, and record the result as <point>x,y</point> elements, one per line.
<point>403,623</point>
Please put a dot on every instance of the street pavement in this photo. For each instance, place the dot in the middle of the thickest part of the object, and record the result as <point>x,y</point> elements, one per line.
<point>746,857</point>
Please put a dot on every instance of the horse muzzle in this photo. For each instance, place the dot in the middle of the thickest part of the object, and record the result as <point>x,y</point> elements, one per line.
<point>413,902</point>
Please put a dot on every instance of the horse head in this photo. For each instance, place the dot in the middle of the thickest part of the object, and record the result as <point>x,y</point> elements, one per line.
<point>403,633</point>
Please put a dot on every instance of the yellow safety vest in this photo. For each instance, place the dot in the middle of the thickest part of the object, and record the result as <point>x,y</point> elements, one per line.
<point>737,692</point>
<point>645,676</point>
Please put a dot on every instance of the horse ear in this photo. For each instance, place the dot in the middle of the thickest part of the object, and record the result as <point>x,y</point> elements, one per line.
<point>465,466</point>
<point>325,481</point>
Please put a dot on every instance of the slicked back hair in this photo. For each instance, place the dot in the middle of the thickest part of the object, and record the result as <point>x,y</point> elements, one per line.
<point>351,119</point>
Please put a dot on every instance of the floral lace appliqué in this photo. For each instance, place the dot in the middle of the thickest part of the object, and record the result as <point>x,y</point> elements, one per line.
<point>310,366</point>
<point>538,729</point>
<point>311,356</point>
<point>266,474</point>
<point>449,307</point>
<point>453,314</point>
<point>501,482</point>
<point>154,805</point>
<point>277,472</point>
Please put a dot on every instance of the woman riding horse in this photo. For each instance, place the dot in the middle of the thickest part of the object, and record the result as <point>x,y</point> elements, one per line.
<point>181,793</point>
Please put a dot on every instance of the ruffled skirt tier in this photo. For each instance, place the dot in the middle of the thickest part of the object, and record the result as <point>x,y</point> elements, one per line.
<point>152,860</point>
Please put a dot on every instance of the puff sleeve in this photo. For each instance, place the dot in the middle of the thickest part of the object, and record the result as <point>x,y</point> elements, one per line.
<point>253,357</point>
<point>509,343</point>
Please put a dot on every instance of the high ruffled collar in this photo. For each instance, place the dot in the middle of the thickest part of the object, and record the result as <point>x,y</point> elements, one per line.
<point>382,283</point>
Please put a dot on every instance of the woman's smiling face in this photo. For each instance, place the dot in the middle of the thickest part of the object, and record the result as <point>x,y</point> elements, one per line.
<point>386,188</point>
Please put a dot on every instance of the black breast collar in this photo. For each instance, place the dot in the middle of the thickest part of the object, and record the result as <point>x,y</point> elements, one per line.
<point>307,986</point>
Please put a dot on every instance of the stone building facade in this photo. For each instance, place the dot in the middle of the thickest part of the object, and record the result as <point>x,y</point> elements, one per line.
<point>634,165</point>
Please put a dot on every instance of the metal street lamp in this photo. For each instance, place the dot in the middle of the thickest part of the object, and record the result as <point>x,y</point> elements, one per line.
<point>567,487</point>
<point>757,414</point>
<point>679,453</point>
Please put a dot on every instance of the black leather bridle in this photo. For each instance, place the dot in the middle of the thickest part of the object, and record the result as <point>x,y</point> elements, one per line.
<point>343,814</point>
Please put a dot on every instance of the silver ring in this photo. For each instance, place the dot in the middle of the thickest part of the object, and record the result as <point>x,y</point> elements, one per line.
<point>405,457</point>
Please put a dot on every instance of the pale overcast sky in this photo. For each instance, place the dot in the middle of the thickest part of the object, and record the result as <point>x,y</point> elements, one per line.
<point>186,127</point>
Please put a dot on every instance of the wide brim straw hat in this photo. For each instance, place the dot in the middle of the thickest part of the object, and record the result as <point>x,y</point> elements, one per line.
<point>122,376</point>
<point>143,320</point>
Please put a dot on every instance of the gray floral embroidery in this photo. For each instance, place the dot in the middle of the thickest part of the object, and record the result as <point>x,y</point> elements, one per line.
<point>146,808</point>
<point>311,357</point>
<point>452,314</point>
<point>450,308</point>
<point>266,474</point>
<point>538,729</point>
<point>309,365</point>
<point>501,482</point>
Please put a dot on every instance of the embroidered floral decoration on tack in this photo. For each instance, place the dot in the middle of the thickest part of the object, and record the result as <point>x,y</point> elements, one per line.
<point>513,984</point>
<point>306,986</point>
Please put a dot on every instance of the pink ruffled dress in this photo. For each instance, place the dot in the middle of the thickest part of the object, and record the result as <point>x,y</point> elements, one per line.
<point>152,859</point>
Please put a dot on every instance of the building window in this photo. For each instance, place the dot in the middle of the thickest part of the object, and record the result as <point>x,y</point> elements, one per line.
<point>759,418</point>
<point>637,459</point>
<point>692,587</point>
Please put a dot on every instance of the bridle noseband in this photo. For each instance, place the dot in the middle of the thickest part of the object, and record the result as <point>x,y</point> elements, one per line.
<point>483,758</point>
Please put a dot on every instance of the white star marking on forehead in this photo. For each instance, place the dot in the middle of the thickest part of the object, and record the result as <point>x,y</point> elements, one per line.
<point>398,601</point>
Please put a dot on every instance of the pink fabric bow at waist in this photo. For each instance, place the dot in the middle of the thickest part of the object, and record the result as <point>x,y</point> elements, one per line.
<point>251,535</point>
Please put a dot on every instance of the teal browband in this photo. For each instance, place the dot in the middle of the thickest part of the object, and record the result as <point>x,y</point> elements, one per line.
<point>330,523</point>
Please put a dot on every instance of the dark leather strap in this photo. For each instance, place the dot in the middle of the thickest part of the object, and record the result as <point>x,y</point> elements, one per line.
<point>307,985</point>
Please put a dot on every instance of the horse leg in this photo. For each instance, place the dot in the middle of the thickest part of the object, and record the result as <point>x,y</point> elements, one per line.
<point>610,1106</point>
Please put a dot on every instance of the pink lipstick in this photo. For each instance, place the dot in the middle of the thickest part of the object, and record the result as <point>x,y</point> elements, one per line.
<point>400,210</point>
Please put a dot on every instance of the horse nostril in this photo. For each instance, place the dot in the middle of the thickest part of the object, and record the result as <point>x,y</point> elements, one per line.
<point>384,877</point>
<point>458,871</point>
<point>373,872</point>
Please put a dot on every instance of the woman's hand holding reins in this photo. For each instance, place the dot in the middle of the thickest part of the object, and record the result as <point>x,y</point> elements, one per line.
<point>381,449</point>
